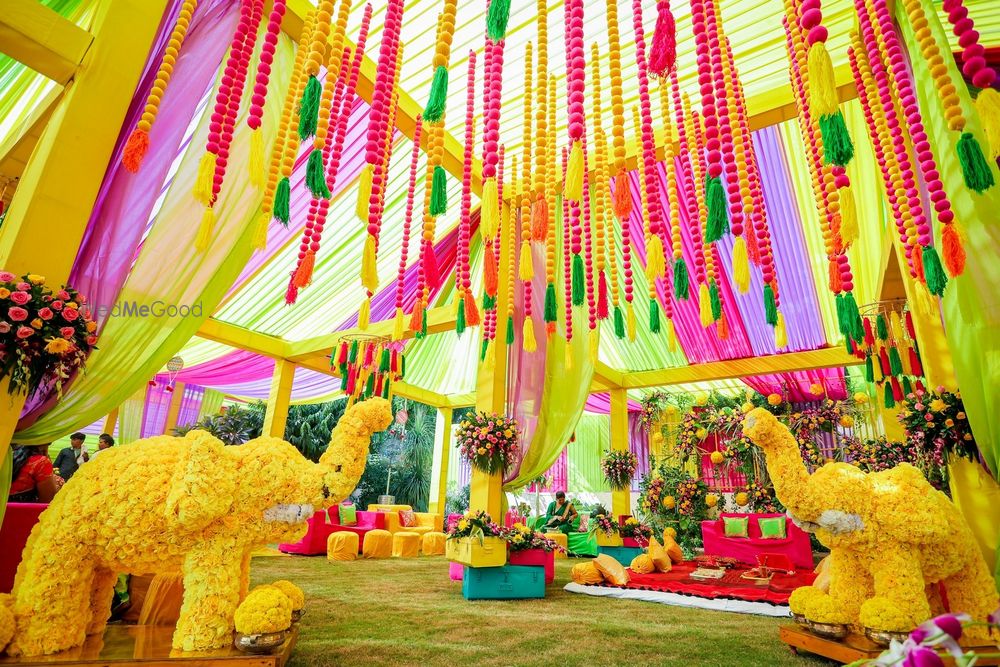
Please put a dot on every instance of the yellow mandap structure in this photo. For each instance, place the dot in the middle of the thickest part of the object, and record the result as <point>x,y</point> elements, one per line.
<point>166,504</point>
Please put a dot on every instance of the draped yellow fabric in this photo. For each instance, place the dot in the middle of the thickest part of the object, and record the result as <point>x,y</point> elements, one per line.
<point>130,417</point>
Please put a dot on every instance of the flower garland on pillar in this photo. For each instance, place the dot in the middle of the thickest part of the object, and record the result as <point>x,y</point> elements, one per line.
<point>974,66</point>
<point>212,169</point>
<point>462,272</point>
<point>498,12</point>
<point>600,185</point>
<point>138,142</point>
<point>975,169</point>
<point>399,326</point>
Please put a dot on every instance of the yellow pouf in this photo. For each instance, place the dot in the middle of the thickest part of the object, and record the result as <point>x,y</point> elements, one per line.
<point>377,544</point>
<point>562,539</point>
<point>342,545</point>
<point>405,545</point>
<point>433,544</point>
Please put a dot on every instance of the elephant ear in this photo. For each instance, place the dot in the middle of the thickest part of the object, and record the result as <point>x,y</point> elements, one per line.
<point>908,507</point>
<point>202,487</point>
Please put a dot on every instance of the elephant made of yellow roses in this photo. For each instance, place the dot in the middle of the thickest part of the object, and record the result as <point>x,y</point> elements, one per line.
<point>186,505</point>
<point>892,536</point>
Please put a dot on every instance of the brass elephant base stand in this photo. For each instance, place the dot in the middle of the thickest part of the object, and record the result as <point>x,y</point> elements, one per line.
<point>149,646</point>
<point>857,647</point>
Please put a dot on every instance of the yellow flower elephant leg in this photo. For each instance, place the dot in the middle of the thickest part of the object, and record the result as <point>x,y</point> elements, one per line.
<point>972,590</point>
<point>212,573</point>
<point>850,581</point>
<point>50,613</point>
<point>102,592</point>
<point>899,581</point>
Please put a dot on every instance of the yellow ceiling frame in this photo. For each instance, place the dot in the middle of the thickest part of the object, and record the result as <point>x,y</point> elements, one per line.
<point>41,39</point>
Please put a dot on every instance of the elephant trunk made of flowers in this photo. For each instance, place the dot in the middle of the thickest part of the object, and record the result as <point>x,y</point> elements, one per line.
<point>892,536</point>
<point>190,506</point>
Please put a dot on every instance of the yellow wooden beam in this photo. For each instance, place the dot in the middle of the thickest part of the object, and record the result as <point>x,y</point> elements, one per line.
<point>466,400</point>
<point>442,437</point>
<point>830,357</point>
<point>419,394</point>
<point>16,149</point>
<point>40,38</point>
<point>409,107</point>
<point>244,339</point>
<point>58,188</point>
<point>110,422</point>
<point>276,415</point>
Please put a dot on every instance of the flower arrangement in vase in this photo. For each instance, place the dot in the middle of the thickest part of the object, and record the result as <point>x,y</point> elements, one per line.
<point>488,441</point>
<point>45,336</point>
<point>635,533</point>
<point>618,468</point>
<point>937,425</point>
<point>604,528</point>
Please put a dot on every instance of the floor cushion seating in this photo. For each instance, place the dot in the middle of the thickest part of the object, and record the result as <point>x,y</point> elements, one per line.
<point>432,544</point>
<point>426,522</point>
<point>342,546</point>
<point>795,545</point>
<point>324,523</point>
<point>378,544</point>
<point>562,539</point>
<point>578,544</point>
<point>405,544</point>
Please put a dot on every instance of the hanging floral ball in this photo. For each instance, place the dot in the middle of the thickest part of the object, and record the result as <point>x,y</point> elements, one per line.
<point>669,502</point>
<point>816,389</point>
<point>847,421</point>
<point>746,407</point>
<point>711,500</point>
<point>717,458</point>
<point>742,499</point>
<point>860,398</point>
<point>774,399</point>
<point>701,399</point>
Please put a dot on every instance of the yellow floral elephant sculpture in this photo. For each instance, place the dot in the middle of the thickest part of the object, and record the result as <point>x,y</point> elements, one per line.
<point>187,505</point>
<point>892,537</point>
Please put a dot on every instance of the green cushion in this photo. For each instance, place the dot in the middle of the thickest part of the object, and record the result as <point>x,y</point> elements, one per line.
<point>772,528</point>
<point>348,515</point>
<point>736,526</point>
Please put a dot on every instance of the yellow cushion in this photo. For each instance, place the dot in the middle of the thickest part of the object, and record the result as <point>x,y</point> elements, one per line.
<point>562,539</point>
<point>657,554</point>
<point>405,545</point>
<point>432,544</point>
<point>377,544</point>
<point>611,570</point>
<point>342,545</point>
<point>586,574</point>
<point>642,564</point>
<point>672,548</point>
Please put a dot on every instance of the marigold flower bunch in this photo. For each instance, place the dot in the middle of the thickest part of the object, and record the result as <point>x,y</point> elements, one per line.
<point>265,609</point>
<point>489,441</point>
<point>637,530</point>
<point>521,538</point>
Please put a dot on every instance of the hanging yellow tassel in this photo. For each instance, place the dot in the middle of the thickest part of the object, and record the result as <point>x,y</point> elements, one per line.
<point>398,326</point>
<point>630,321</point>
<point>822,84</point>
<point>988,108</point>
<point>258,172</point>
<point>457,304</point>
<point>364,193</point>
<point>780,334</point>
<point>741,265</point>
<point>525,269</point>
<point>671,336</point>
<point>904,356</point>
<point>528,335</point>
<point>705,304</point>
<point>896,327</point>
<point>656,265</point>
<point>848,217</point>
<point>369,269</point>
<point>489,221</point>
<point>205,229</point>
<point>876,365</point>
<point>365,313</point>
<point>204,180</point>
<point>923,302</point>
<point>574,173</point>
<point>491,356</point>
<point>260,231</point>
<point>568,356</point>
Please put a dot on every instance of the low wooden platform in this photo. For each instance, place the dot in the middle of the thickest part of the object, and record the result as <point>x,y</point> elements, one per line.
<point>857,647</point>
<point>149,646</point>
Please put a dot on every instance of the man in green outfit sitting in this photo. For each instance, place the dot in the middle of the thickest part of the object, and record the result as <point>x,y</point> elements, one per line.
<point>560,514</point>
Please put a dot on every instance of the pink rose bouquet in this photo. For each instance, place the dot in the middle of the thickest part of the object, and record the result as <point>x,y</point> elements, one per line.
<point>488,441</point>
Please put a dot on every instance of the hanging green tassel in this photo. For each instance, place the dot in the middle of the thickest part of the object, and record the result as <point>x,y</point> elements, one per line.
<point>551,313</point>
<point>316,176</point>
<point>841,320</point>
<point>869,369</point>
<point>439,192</point>
<point>383,365</point>
<point>681,280</point>
<point>370,385</point>
<point>282,197</point>
<point>837,146</point>
<point>385,389</point>
<point>496,19</point>
<point>402,365</point>
<point>343,381</point>
<point>881,328</point>
<point>934,272</point>
<point>717,223</point>
<point>889,401</point>
<point>847,345</point>
<point>619,323</point>
<point>579,292</point>
<point>852,318</point>
<point>895,363</point>
<point>460,319</point>
<point>434,111</point>
<point>309,108</point>
<point>716,302</point>
<point>907,386</point>
<point>352,353</point>
<point>489,302</point>
<point>770,307</point>
<point>482,349</point>
<point>423,326</point>
<point>975,169</point>
<point>510,329</point>
<point>654,316</point>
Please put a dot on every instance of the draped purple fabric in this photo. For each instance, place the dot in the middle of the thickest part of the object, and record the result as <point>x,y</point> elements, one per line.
<point>638,444</point>
<point>190,405</point>
<point>154,415</point>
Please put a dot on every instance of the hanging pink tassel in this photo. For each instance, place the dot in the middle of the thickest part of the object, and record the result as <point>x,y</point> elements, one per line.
<point>663,51</point>
<point>292,293</point>
<point>432,277</point>
<point>369,351</point>
<point>352,376</point>
<point>915,364</point>
<point>602,296</point>
<point>342,353</point>
<point>897,390</point>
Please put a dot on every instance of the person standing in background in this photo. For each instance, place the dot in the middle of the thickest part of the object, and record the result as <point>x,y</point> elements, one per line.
<point>71,458</point>
<point>103,442</point>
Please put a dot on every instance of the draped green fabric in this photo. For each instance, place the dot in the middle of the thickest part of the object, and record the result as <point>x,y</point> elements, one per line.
<point>583,455</point>
<point>130,417</point>
<point>115,371</point>
<point>210,403</point>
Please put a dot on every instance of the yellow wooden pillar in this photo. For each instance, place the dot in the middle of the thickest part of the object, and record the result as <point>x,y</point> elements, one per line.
<point>278,400</point>
<point>175,408</point>
<point>491,387</point>
<point>110,422</point>
<point>439,472</point>
<point>621,499</point>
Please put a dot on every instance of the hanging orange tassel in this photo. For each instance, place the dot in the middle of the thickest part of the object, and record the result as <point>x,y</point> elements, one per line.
<point>721,328</point>
<point>304,272</point>
<point>471,310</point>
<point>135,150</point>
<point>490,271</point>
<point>834,276</point>
<point>953,250</point>
<point>540,220</point>
<point>417,316</point>
<point>918,263</point>
<point>623,196</point>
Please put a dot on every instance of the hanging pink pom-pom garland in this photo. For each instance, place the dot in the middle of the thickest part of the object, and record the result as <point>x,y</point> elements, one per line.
<point>463,283</point>
<point>259,98</point>
<point>663,51</point>
<point>343,101</point>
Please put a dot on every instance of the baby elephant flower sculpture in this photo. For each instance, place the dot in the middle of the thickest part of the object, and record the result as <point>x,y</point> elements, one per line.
<point>188,505</point>
<point>892,537</point>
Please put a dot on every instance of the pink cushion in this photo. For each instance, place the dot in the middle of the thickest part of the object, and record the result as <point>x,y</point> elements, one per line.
<point>746,549</point>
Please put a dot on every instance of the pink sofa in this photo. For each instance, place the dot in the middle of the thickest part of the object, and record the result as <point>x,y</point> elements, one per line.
<point>795,546</point>
<point>323,523</point>
<point>18,521</point>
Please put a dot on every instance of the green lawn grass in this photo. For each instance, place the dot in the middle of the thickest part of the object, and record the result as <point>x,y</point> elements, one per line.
<point>408,612</point>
